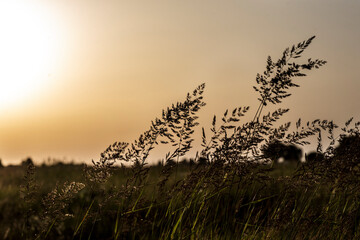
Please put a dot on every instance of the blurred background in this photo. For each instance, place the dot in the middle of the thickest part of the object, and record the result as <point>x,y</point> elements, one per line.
<point>75,76</point>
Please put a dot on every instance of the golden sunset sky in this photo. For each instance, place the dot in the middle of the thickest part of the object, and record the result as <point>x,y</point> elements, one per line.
<point>77,75</point>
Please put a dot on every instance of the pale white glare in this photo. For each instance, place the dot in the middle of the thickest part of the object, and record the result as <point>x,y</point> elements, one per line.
<point>28,46</point>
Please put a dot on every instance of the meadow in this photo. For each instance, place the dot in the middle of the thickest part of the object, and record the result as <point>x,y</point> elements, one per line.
<point>232,189</point>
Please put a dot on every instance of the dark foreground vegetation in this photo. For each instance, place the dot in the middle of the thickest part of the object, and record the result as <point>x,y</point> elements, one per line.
<point>233,189</point>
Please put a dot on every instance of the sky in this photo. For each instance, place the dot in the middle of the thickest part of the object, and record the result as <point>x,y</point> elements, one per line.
<point>76,76</point>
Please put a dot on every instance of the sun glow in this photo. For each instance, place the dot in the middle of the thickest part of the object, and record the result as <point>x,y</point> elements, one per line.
<point>28,51</point>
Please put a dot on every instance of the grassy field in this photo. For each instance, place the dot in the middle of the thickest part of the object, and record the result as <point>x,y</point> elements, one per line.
<point>233,189</point>
<point>269,203</point>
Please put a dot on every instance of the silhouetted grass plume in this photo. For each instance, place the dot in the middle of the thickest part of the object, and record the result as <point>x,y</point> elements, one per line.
<point>232,189</point>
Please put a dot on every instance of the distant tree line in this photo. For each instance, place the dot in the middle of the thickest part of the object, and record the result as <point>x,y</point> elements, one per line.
<point>347,150</point>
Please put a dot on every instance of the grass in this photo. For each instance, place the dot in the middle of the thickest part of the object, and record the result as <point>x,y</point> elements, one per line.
<point>231,190</point>
<point>245,210</point>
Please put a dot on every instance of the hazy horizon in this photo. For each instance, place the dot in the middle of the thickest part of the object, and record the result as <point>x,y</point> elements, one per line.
<point>78,76</point>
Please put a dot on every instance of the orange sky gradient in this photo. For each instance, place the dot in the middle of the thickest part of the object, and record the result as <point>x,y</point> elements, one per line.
<point>83,74</point>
